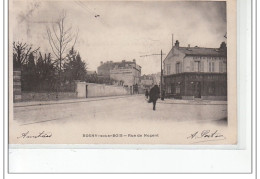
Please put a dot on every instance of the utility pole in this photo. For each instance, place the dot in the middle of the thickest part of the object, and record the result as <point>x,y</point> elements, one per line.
<point>172,40</point>
<point>161,54</point>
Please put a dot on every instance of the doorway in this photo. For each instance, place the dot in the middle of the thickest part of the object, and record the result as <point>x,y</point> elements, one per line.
<point>197,90</point>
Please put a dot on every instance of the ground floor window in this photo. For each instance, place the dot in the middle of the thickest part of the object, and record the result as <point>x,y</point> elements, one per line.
<point>211,88</point>
<point>178,89</point>
<point>168,89</point>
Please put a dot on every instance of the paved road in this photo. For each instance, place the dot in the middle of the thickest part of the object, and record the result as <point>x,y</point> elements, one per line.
<point>67,121</point>
<point>118,109</point>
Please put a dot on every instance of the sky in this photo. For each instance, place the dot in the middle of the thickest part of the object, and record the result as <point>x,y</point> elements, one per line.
<point>124,30</point>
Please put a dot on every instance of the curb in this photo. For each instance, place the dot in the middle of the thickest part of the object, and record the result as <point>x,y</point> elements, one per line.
<point>68,102</point>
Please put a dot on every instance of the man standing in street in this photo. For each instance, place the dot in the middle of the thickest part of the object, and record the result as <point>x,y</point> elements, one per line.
<point>154,95</point>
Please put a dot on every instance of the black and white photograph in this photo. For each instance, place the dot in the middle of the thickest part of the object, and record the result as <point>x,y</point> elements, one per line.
<point>122,72</point>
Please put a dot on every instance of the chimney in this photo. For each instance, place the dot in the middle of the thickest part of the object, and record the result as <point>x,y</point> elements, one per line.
<point>223,46</point>
<point>134,61</point>
<point>188,45</point>
<point>177,44</point>
<point>123,61</point>
<point>101,63</point>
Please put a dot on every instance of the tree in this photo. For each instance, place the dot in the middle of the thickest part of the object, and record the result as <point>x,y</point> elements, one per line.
<point>45,73</point>
<point>21,52</point>
<point>59,37</point>
<point>75,68</point>
<point>38,75</point>
<point>91,78</point>
<point>28,77</point>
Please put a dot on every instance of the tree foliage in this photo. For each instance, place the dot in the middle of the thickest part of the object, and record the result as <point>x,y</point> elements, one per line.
<point>39,72</point>
<point>21,52</point>
<point>74,68</point>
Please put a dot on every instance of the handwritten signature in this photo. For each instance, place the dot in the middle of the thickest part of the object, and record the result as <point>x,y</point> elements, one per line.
<point>42,134</point>
<point>206,135</point>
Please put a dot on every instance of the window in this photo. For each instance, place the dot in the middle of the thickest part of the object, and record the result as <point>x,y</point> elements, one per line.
<point>178,89</point>
<point>220,67</point>
<point>168,69</point>
<point>168,89</point>
<point>211,89</point>
<point>211,66</point>
<point>178,69</point>
<point>224,67</point>
<point>197,66</point>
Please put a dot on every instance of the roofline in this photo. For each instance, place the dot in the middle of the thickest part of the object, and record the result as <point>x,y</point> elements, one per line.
<point>168,53</point>
<point>217,55</point>
<point>211,55</point>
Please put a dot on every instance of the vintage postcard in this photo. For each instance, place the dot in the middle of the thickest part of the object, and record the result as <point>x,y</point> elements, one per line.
<point>122,72</point>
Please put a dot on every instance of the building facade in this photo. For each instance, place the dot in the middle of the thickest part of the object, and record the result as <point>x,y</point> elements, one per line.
<point>157,78</point>
<point>127,71</point>
<point>196,72</point>
<point>146,82</point>
<point>104,69</point>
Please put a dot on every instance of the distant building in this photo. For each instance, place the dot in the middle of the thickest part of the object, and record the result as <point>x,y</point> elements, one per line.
<point>157,78</point>
<point>104,68</point>
<point>196,72</point>
<point>127,71</point>
<point>146,82</point>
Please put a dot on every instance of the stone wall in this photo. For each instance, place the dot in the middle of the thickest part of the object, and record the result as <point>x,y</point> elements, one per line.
<point>88,90</point>
<point>45,96</point>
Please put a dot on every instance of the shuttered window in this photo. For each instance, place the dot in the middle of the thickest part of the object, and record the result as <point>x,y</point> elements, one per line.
<point>192,66</point>
<point>197,66</point>
<point>178,68</point>
<point>211,67</point>
<point>202,66</point>
<point>168,69</point>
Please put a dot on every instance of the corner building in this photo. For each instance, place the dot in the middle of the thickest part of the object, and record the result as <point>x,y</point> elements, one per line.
<point>196,72</point>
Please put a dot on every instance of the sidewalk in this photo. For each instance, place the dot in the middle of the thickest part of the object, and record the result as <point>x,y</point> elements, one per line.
<point>78,100</point>
<point>192,102</point>
<point>66,101</point>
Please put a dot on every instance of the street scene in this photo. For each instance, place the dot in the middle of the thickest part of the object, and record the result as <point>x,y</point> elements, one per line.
<point>88,68</point>
<point>110,108</point>
<point>89,116</point>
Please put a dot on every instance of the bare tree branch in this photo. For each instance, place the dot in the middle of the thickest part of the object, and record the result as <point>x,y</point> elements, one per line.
<point>52,40</point>
<point>63,37</point>
<point>76,38</point>
<point>52,46</point>
<point>55,32</point>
